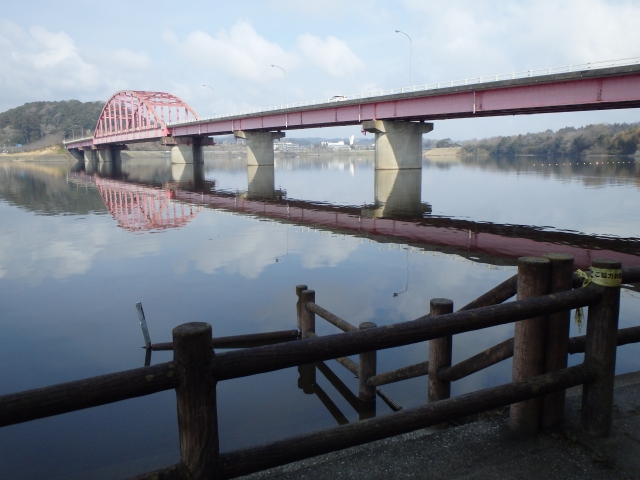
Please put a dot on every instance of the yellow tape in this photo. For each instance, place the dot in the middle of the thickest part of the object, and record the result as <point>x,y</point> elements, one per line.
<point>586,280</point>
<point>606,277</point>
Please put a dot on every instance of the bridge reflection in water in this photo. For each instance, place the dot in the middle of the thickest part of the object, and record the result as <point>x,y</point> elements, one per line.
<point>138,207</point>
<point>396,216</point>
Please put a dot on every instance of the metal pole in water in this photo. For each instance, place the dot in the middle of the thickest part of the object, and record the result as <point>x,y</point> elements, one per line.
<point>143,325</point>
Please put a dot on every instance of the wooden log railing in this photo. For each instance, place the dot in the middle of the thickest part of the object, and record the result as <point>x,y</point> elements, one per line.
<point>197,368</point>
<point>242,341</point>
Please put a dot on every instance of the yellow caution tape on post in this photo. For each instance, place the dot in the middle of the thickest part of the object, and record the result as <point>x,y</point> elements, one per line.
<point>586,280</point>
<point>606,277</point>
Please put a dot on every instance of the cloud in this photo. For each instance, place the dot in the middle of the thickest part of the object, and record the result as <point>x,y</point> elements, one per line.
<point>240,52</point>
<point>332,55</point>
<point>38,64</point>
<point>243,53</point>
<point>480,37</point>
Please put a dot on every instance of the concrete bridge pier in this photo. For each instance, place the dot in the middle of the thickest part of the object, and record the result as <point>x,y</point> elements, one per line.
<point>76,153</point>
<point>189,175</point>
<point>89,155</point>
<point>397,193</point>
<point>259,146</point>
<point>398,145</point>
<point>109,153</point>
<point>261,181</point>
<point>106,161</point>
<point>90,160</point>
<point>187,149</point>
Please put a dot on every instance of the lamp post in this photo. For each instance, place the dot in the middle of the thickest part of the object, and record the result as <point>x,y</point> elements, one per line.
<point>285,82</point>
<point>81,130</point>
<point>214,97</point>
<point>410,48</point>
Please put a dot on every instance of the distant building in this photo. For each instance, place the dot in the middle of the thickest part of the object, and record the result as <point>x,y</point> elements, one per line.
<point>340,145</point>
<point>287,147</point>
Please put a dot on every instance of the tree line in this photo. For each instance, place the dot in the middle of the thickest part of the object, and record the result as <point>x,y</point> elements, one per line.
<point>600,139</point>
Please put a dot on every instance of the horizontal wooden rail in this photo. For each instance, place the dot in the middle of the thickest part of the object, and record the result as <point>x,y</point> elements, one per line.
<point>498,294</point>
<point>478,362</point>
<point>242,341</point>
<point>91,392</point>
<point>346,362</point>
<point>391,403</point>
<point>242,363</point>
<point>349,364</point>
<point>631,275</point>
<point>331,318</point>
<point>254,459</point>
<point>404,373</point>
<point>625,336</point>
<point>504,350</point>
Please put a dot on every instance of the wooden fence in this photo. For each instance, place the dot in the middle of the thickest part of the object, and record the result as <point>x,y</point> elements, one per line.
<point>545,296</point>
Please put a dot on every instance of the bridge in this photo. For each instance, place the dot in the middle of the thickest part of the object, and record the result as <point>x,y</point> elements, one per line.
<point>398,118</point>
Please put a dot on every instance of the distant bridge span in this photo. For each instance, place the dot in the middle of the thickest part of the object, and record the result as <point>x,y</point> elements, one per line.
<point>135,116</point>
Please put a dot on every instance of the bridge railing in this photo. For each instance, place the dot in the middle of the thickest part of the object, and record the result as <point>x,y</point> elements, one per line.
<point>430,86</point>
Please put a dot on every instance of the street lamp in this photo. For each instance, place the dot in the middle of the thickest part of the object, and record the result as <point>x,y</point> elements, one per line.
<point>81,130</point>
<point>214,97</point>
<point>398,31</point>
<point>285,82</point>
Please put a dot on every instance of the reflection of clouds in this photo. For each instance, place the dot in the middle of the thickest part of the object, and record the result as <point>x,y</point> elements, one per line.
<point>247,252</point>
<point>250,248</point>
<point>323,250</point>
<point>58,247</point>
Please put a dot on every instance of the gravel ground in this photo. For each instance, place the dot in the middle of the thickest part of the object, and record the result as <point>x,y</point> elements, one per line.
<point>486,450</point>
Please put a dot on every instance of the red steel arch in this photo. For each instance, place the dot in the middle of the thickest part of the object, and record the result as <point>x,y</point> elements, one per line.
<point>135,115</point>
<point>139,208</point>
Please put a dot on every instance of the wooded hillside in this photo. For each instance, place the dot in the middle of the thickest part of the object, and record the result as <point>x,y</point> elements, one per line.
<point>36,120</point>
<point>610,139</point>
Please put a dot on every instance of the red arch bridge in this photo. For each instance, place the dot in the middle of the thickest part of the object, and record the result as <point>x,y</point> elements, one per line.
<point>397,117</point>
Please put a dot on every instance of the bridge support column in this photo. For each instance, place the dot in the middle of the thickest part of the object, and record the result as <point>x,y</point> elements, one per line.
<point>259,146</point>
<point>261,181</point>
<point>398,144</point>
<point>110,153</point>
<point>397,193</point>
<point>76,153</point>
<point>187,149</point>
<point>89,155</point>
<point>189,175</point>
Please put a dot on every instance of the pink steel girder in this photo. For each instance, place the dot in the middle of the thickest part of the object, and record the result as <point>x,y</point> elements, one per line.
<point>135,115</point>
<point>562,93</point>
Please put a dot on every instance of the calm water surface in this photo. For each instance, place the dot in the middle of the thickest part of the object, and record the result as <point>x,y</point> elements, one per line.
<point>75,258</point>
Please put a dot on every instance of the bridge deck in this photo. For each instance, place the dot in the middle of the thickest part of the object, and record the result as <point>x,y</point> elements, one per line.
<point>596,89</point>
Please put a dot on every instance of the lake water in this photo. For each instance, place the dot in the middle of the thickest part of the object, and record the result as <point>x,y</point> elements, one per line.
<point>227,245</point>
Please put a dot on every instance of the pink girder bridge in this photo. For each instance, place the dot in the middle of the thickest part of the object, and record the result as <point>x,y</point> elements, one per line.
<point>135,116</point>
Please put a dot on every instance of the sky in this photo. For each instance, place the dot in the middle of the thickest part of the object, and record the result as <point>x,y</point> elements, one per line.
<point>88,50</point>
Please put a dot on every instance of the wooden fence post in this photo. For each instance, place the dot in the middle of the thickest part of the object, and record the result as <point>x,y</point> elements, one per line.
<point>196,399</point>
<point>557,343</point>
<point>367,366</point>
<point>600,350</point>
<point>307,317</point>
<point>307,321</point>
<point>440,350</point>
<point>299,290</point>
<point>529,343</point>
